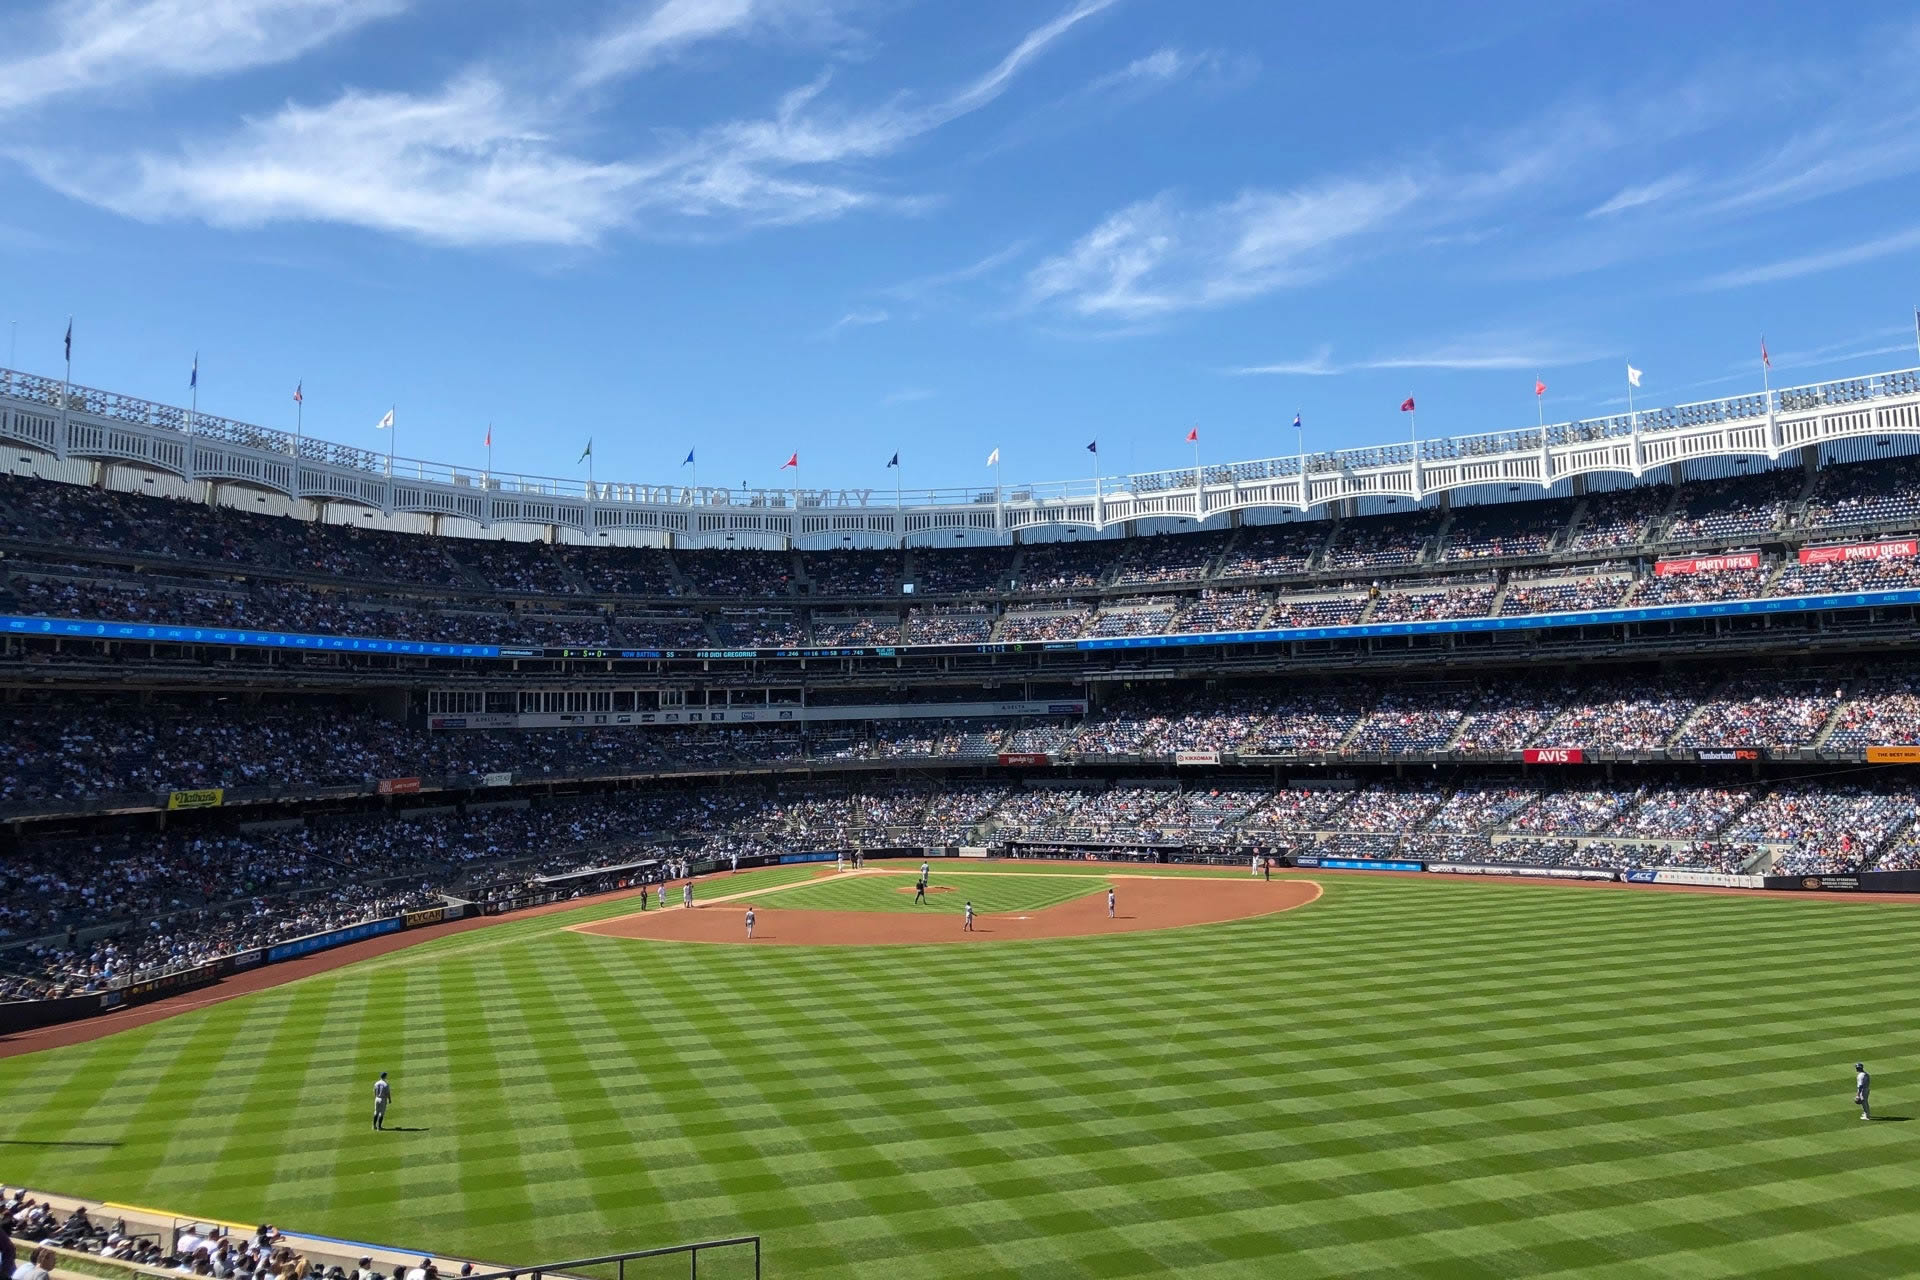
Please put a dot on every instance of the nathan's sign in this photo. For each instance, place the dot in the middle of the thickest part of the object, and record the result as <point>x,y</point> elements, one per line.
<point>1554,755</point>
<point>1899,549</point>
<point>206,798</point>
<point>1708,564</point>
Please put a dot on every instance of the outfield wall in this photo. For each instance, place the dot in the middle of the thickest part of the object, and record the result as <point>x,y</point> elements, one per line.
<point>27,1015</point>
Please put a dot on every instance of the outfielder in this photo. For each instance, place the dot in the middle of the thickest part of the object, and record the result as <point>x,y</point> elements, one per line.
<point>383,1094</point>
<point>1862,1082</point>
<point>749,922</point>
<point>1109,902</point>
<point>686,895</point>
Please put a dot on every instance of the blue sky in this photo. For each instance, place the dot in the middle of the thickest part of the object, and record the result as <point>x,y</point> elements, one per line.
<point>758,226</point>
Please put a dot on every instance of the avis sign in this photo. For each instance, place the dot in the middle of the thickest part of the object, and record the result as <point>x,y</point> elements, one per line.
<point>1554,755</point>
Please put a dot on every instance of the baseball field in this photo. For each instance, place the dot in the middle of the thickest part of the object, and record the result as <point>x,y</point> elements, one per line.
<point>1399,1077</point>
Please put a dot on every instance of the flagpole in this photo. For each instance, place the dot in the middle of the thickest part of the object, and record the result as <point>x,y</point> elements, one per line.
<point>193,405</point>
<point>1196,463</point>
<point>489,473</point>
<point>393,432</point>
<point>899,504</point>
<point>1540,403</point>
<point>299,414</point>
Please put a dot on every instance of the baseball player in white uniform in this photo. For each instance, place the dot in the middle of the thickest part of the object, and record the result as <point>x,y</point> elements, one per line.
<point>382,1095</point>
<point>749,922</point>
<point>1862,1082</point>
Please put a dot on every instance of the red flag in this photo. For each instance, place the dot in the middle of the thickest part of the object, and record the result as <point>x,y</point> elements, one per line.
<point>1765,359</point>
<point>1406,406</point>
<point>297,397</point>
<point>1539,387</point>
<point>1193,436</point>
<point>793,462</point>
<point>489,435</point>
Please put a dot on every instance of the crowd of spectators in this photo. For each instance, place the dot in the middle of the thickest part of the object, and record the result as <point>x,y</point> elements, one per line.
<point>1505,529</point>
<point>1736,507</point>
<point>1065,566</point>
<point>1268,550</point>
<point>1879,495</point>
<point>1703,588</point>
<point>1619,519</point>
<point>1217,609</point>
<point>1381,542</point>
<point>1430,606</point>
<point>949,624</point>
<point>1762,711</point>
<point>1564,594</point>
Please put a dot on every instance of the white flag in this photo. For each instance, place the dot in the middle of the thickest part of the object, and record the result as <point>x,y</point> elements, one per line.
<point>1633,376</point>
<point>993,459</point>
<point>385,422</point>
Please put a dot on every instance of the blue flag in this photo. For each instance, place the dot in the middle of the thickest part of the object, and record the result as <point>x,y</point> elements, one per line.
<point>894,461</point>
<point>1093,446</point>
<point>193,379</point>
<point>689,461</point>
<point>1296,420</point>
<point>69,339</point>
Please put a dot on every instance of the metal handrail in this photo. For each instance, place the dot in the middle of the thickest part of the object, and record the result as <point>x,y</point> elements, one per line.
<point>565,1269</point>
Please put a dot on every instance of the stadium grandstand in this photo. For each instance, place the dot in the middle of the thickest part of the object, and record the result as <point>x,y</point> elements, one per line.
<point>308,688</point>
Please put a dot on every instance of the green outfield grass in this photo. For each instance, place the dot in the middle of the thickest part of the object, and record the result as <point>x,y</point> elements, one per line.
<point>1406,1078</point>
<point>990,894</point>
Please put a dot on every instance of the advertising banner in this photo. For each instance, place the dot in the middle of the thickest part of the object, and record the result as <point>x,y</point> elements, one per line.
<point>1725,755</point>
<point>1554,755</point>
<point>432,915</point>
<point>1509,869</point>
<point>1364,864</point>
<point>206,798</point>
<point>243,960</point>
<point>496,779</point>
<point>1025,759</point>
<point>1899,549</point>
<point>1714,879</point>
<point>332,938</point>
<point>179,980</point>
<point>1893,755</point>
<point>399,786</point>
<point>1196,757</point>
<point>1708,564</point>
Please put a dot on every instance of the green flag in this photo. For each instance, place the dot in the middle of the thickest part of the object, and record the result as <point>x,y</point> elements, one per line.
<point>586,452</point>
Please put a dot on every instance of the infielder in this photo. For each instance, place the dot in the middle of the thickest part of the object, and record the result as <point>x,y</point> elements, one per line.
<point>686,895</point>
<point>749,922</point>
<point>1862,1082</point>
<point>383,1094</point>
<point>643,897</point>
<point>925,871</point>
<point>1109,902</point>
<point>969,928</point>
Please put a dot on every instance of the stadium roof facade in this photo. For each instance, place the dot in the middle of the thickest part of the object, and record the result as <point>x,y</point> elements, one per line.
<point>82,423</point>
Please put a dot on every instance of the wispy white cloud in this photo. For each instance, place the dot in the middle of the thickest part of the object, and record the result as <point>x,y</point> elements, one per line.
<point>1815,263</point>
<point>480,163</point>
<point>908,395</point>
<point>855,320</point>
<point>1643,195</point>
<point>1489,351</point>
<point>466,166</point>
<point>1159,256</point>
<point>665,29</point>
<point>921,286</point>
<point>79,45</point>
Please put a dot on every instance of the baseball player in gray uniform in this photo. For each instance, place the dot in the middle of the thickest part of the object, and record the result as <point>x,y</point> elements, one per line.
<point>749,922</point>
<point>382,1095</point>
<point>1862,1082</point>
<point>969,928</point>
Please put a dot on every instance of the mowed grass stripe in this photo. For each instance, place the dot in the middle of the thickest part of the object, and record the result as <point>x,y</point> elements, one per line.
<point>1407,1077</point>
<point>990,895</point>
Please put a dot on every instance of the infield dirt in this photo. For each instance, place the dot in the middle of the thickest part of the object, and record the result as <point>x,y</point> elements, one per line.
<point>1146,902</point>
